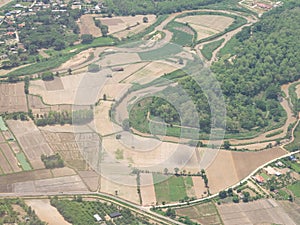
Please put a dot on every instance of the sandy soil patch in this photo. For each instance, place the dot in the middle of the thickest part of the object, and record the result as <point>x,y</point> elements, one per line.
<point>257,212</point>
<point>12,98</point>
<point>118,25</point>
<point>80,89</point>
<point>123,191</point>
<point>120,58</point>
<point>230,167</point>
<point>207,25</point>
<point>151,154</point>
<point>199,187</point>
<point>31,140</point>
<point>151,72</point>
<point>87,25</point>
<point>128,71</point>
<point>147,189</point>
<point>102,122</point>
<point>46,212</point>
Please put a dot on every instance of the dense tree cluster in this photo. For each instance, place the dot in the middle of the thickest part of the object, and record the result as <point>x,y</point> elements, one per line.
<point>49,29</point>
<point>132,7</point>
<point>52,161</point>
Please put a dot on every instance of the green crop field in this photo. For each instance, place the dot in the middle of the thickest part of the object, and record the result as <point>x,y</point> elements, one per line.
<point>169,188</point>
<point>295,188</point>
<point>183,34</point>
<point>164,52</point>
<point>23,161</point>
<point>209,48</point>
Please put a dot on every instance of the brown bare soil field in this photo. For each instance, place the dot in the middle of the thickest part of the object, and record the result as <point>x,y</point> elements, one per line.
<point>207,25</point>
<point>261,211</point>
<point>54,85</point>
<point>102,122</point>
<point>128,70</point>
<point>58,184</point>
<point>15,147</point>
<point>7,135</point>
<point>291,208</point>
<point>6,168</point>
<point>7,181</point>
<point>114,91</point>
<point>199,187</point>
<point>75,148</point>
<point>124,191</point>
<point>87,25</point>
<point>46,212</point>
<point>230,167</point>
<point>151,72</point>
<point>61,172</point>
<point>12,98</point>
<point>2,139</point>
<point>10,157</point>
<point>205,213</point>
<point>31,140</point>
<point>118,25</point>
<point>91,179</point>
<point>147,189</point>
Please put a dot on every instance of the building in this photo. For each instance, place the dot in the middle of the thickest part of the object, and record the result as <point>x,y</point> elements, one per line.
<point>264,6</point>
<point>97,218</point>
<point>115,215</point>
<point>259,179</point>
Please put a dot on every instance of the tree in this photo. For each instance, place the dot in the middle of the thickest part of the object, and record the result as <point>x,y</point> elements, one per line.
<point>226,144</point>
<point>235,199</point>
<point>222,194</point>
<point>246,197</point>
<point>69,71</point>
<point>145,19</point>
<point>166,171</point>
<point>171,213</point>
<point>59,44</point>
<point>86,38</point>
<point>47,76</point>
<point>205,179</point>
<point>230,192</point>
<point>176,170</point>
<point>126,125</point>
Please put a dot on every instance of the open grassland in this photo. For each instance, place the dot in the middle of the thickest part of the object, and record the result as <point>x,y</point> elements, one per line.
<point>169,188</point>
<point>31,141</point>
<point>12,98</point>
<point>229,167</point>
<point>267,211</point>
<point>207,25</point>
<point>87,25</point>
<point>124,26</point>
<point>205,213</point>
<point>294,146</point>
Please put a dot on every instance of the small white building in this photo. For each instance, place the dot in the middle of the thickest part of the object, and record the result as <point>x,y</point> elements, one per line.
<point>97,218</point>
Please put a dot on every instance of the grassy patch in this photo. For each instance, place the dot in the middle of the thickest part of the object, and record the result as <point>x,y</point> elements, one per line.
<point>166,51</point>
<point>182,33</point>
<point>3,127</point>
<point>119,154</point>
<point>265,176</point>
<point>274,133</point>
<point>294,146</point>
<point>295,188</point>
<point>23,161</point>
<point>169,188</point>
<point>229,48</point>
<point>209,48</point>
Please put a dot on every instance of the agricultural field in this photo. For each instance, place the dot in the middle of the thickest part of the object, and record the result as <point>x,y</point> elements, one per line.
<point>12,98</point>
<point>46,212</point>
<point>295,188</point>
<point>122,27</point>
<point>183,34</point>
<point>205,213</point>
<point>31,141</point>
<point>87,25</point>
<point>207,25</point>
<point>268,211</point>
<point>229,167</point>
<point>147,189</point>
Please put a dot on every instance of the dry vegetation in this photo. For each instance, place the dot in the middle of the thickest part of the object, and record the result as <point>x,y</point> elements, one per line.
<point>207,25</point>
<point>87,25</point>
